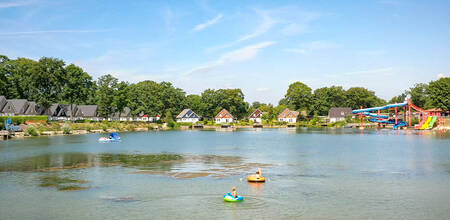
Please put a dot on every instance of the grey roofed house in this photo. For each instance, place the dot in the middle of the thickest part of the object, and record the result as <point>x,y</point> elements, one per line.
<point>337,114</point>
<point>15,106</point>
<point>187,113</point>
<point>34,109</point>
<point>87,111</point>
<point>2,102</point>
<point>125,113</point>
<point>53,110</point>
<point>65,110</point>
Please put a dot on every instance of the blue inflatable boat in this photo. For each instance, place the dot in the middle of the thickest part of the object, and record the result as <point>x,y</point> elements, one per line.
<point>113,137</point>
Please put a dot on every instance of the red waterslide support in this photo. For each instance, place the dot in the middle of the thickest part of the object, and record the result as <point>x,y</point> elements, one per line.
<point>422,114</point>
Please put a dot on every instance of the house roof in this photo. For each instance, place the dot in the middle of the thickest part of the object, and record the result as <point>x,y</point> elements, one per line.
<point>126,112</point>
<point>187,113</point>
<point>2,102</point>
<point>16,106</point>
<point>52,110</point>
<point>256,114</point>
<point>224,114</point>
<point>434,110</point>
<point>339,112</point>
<point>34,109</point>
<point>87,111</point>
<point>65,110</point>
<point>286,113</point>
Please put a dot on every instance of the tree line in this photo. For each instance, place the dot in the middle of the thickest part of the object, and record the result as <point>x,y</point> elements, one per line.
<point>50,80</point>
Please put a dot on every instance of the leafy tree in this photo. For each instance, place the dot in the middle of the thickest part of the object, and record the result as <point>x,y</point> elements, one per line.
<point>194,102</point>
<point>298,96</point>
<point>230,99</point>
<point>121,96</point>
<point>418,94</point>
<point>3,75</point>
<point>48,77</point>
<point>359,96</point>
<point>18,77</point>
<point>153,98</point>
<point>106,91</point>
<point>78,86</point>
<point>328,97</point>
<point>439,94</point>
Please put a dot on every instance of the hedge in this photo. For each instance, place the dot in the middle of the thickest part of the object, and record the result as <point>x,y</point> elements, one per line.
<point>21,119</point>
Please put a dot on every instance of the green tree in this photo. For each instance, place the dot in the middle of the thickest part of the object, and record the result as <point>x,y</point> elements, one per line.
<point>328,97</point>
<point>418,94</point>
<point>121,96</point>
<point>78,86</point>
<point>106,91</point>
<point>359,96</point>
<point>3,75</point>
<point>230,99</point>
<point>18,75</point>
<point>298,96</point>
<point>195,103</point>
<point>48,78</point>
<point>153,98</point>
<point>439,94</point>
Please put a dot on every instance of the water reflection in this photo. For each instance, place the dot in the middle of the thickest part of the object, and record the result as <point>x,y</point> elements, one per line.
<point>175,165</point>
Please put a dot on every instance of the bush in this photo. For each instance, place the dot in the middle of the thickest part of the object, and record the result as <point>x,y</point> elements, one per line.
<point>31,131</point>
<point>66,130</point>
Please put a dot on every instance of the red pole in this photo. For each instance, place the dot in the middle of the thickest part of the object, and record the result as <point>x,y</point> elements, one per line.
<point>396,111</point>
<point>379,124</point>
<point>361,115</point>
<point>409,115</point>
<point>404,113</point>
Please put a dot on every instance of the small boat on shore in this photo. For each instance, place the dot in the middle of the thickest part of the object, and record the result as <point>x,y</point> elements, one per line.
<point>113,137</point>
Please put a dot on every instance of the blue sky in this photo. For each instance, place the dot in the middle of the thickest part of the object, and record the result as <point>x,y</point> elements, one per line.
<point>258,46</point>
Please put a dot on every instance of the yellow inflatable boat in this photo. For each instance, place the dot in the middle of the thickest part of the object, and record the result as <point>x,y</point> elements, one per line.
<point>254,178</point>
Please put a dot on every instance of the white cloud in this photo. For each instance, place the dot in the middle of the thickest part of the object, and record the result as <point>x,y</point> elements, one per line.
<point>51,32</point>
<point>440,75</point>
<point>239,55</point>
<point>313,46</point>
<point>200,27</point>
<point>266,24</point>
<point>10,4</point>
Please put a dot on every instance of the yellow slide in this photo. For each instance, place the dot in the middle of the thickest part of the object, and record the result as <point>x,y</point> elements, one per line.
<point>427,123</point>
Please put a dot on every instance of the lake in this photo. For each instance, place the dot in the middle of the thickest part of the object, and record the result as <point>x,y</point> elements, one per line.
<point>311,173</point>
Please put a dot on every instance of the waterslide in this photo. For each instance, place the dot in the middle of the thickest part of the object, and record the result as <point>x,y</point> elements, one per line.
<point>375,115</point>
<point>431,125</point>
<point>381,118</point>
<point>379,108</point>
<point>427,122</point>
<point>400,123</point>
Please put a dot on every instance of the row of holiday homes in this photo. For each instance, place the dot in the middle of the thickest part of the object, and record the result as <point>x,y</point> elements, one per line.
<point>22,107</point>
<point>225,117</point>
<point>287,115</point>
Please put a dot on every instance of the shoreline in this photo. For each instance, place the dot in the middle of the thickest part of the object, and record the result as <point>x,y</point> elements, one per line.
<point>23,134</point>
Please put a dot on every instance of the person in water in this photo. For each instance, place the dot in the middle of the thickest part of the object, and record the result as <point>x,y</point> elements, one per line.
<point>233,192</point>
<point>259,173</point>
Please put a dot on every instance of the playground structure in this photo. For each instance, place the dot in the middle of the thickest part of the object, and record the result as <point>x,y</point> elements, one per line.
<point>10,127</point>
<point>427,119</point>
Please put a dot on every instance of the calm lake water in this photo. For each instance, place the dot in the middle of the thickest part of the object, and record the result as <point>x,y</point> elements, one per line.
<point>312,173</point>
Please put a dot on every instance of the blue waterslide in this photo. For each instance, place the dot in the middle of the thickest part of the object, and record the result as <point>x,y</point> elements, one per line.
<point>400,123</point>
<point>379,108</point>
<point>375,115</point>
